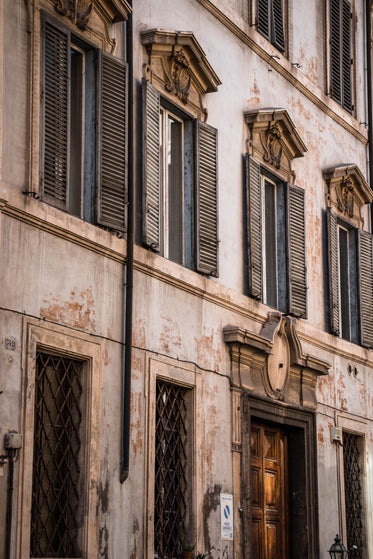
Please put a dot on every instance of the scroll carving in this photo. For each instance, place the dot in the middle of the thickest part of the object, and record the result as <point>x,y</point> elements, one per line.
<point>176,75</point>
<point>79,11</point>
<point>273,146</point>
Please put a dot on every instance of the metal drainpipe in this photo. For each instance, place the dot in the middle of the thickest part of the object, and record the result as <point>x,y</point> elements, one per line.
<point>127,350</point>
<point>9,508</point>
<point>369,95</point>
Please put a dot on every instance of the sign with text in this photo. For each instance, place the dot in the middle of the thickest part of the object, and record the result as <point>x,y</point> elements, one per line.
<point>226,516</point>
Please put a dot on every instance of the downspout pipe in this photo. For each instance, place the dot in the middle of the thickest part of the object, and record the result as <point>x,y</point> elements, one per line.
<point>368,27</point>
<point>127,358</point>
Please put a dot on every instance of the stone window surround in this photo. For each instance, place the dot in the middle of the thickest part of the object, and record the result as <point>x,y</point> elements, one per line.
<point>47,337</point>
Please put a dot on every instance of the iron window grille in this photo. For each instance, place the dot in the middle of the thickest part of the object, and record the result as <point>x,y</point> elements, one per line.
<point>170,470</point>
<point>56,511</point>
<point>353,495</point>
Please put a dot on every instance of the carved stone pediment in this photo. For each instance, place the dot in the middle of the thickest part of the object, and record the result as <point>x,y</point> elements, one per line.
<point>272,364</point>
<point>347,191</point>
<point>178,67</point>
<point>80,11</point>
<point>273,139</point>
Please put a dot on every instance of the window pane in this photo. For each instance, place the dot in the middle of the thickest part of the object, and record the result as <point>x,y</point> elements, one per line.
<point>175,189</point>
<point>76,130</point>
<point>56,513</point>
<point>344,282</point>
<point>270,244</point>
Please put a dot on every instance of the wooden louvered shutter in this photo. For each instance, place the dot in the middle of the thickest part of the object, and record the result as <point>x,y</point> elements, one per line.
<point>333,250</point>
<point>206,176</point>
<point>112,187</point>
<point>151,166</point>
<point>335,50</point>
<point>254,227</point>
<point>278,35</point>
<point>296,251</point>
<point>346,56</point>
<point>56,116</point>
<point>366,288</point>
<point>262,17</point>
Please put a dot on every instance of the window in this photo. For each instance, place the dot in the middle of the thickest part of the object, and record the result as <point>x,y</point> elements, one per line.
<point>179,185</point>
<point>340,52</point>
<point>275,240</point>
<point>270,21</point>
<point>172,477</point>
<point>58,458</point>
<point>83,132</point>
<point>353,491</point>
<point>350,281</point>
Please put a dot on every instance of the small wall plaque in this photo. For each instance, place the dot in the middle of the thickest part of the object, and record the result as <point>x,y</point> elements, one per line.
<point>10,343</point>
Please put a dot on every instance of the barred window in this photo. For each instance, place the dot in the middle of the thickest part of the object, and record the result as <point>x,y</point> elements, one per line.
<point>354,506</point>
<point>57,507</point>
<point>171,475</point>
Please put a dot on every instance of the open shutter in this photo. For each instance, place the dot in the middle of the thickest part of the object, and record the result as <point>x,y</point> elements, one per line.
<point>262,17</point>
<point>366,288</point>
<point>333,273</point>
<point>335,50</point>
<point>254,227</point>
<point>206,173</point>
<point>278,35</point>
<point>112,187</point>
<point>296,251</point>
<point>346,56</point>
<point>151,166</point>
<point>56,116</point>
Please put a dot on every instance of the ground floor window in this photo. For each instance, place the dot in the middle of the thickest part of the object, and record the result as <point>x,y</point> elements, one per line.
<point>58,464</point>
<point>354,505</point>
<point>171,470</point>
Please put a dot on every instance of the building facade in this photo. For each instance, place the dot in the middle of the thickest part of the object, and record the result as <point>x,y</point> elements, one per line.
<point>186,278</point>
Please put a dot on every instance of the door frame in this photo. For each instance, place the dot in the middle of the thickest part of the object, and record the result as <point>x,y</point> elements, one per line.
<point>301,426</point>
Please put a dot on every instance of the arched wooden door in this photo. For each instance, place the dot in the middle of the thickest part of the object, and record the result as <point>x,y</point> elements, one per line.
<point>269,492</point>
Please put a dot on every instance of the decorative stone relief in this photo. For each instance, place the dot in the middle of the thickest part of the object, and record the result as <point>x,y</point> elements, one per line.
<point>178,67</point>
<point>79,11</point>
<point>273,364</point>
<point>273,140</point>
<point>347,191</point>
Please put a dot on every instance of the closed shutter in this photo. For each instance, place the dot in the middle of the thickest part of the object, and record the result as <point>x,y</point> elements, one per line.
<point>296,251</point>
<point>112,188</point>
<point>335,50</point>
<point>278,35</point>
<point>262,17</point>
<point>333,273</point>
<point>366,288</point>
<point>56,116</point>
<point>346,56</point>
<point>151,166</point>
<point>206,175</point>
<point>254,227</point>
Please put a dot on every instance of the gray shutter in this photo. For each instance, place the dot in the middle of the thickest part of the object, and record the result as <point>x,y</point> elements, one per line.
<point>112,187</point>
<point>254,227</point>
<point>366,288</point>
<point>346,56</point>
<point>151,166</point>
<point>206,174</point>
<point>262,17</point>
<point>335,50</point>
<point>56,116</point>
<point>333,250</point>
<point>278,35</point>
<point>296,251</point>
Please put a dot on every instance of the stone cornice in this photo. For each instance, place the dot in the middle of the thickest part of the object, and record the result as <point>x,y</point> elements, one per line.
<point>273,63</point>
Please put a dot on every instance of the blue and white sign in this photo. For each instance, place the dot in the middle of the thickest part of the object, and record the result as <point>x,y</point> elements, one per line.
<point>226,516</point>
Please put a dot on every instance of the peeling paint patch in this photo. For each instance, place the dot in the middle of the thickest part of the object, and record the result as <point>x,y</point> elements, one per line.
<point>170,337</point>
<point>103,545</point>
<point>103,496</point>
<point>78,311</point>
<point>211,501</point>
<point>137,432</point>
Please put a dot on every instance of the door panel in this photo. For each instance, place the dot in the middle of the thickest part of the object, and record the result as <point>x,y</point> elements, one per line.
<point>269,492</point>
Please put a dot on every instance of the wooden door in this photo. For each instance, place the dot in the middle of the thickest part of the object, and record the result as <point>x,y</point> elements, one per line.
<point>269,491</point>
